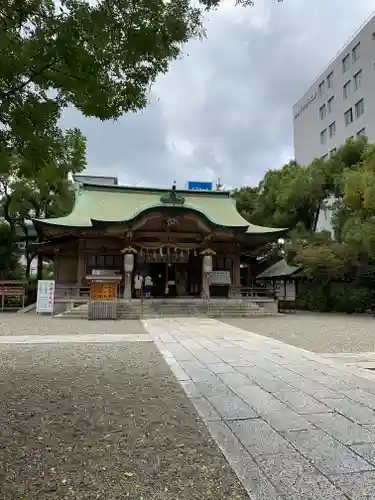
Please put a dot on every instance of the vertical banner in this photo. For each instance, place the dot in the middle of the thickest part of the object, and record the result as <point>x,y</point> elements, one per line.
<point>45,296</point>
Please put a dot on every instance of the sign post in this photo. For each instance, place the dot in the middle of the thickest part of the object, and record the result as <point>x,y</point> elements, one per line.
<point>45,296</point>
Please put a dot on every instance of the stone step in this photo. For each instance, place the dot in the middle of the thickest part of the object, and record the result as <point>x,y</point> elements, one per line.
<point>174,308</point>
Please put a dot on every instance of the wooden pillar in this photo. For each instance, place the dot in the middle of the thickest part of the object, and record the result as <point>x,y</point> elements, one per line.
<point>236,278</point>
<point>56,261</point>
<point>81,261</point>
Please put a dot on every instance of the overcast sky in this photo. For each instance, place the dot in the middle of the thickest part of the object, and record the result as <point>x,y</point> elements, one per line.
<point>225,109</point>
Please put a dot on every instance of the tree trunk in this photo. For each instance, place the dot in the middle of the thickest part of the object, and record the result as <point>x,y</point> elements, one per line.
<point>39,267</point>
<point>7,216</point>
<point>27,268</point>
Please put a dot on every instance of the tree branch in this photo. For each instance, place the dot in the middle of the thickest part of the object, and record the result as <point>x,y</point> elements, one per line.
<point>17,88</point>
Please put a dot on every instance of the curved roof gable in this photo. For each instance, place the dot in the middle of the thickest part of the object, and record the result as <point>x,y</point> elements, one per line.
<point>113,204</point>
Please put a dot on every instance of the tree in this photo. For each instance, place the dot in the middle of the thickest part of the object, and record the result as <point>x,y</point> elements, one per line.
<point>9,255</point>
<point>101,57</point>
<point>285,197</point>
<point>246,200</point>
<point>359,200</point>
<point>48,270</point>
<point>32,192</point>
<point>322,259</point>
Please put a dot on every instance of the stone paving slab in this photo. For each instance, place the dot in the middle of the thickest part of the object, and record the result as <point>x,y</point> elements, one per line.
<point>297,478</point>
<point>231,407</point>
<point>301,403</point>
<point>366,451</point>
<point>352,410</point>
<point>359,486</point>
<point>343,429</point>
<point>259,438</point>
<point>328,455</point>
<point>292,424</point>
<point>272,410</point>
<point>66,339</point>
<point>250,474</point>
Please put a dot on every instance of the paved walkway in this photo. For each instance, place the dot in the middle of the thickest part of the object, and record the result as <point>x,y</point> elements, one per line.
<point>359,360</point>
<point>291,423</point>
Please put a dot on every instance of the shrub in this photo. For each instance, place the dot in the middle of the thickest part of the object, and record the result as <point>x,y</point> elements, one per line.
<point>342,298</point>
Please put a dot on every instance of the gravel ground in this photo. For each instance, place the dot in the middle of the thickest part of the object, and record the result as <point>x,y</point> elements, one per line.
<point>32,324</point>
<point>103,421</point>
<point>320,333</point>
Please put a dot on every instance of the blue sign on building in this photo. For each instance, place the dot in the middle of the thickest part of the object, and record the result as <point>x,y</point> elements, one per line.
<point>199,186</point>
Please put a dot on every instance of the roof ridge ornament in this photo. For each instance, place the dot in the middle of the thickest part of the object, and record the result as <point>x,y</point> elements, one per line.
<point>172,198</point>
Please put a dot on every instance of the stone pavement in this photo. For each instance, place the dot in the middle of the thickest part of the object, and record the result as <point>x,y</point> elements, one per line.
<point>292,424</point>
<point>358,360</point>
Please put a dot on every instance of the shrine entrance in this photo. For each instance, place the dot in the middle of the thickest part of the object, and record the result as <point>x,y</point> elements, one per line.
<point>173,279</point>
<point>163,279</point>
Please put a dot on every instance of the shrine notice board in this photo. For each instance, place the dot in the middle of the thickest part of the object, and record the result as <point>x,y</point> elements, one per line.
<point>103,290</point>
<point>45,296</point>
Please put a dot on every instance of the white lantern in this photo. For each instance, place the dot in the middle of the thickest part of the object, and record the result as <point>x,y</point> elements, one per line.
<point>129,262</point>
<point>207,264</point>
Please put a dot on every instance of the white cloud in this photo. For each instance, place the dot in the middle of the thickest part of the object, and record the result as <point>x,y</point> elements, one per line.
<point>225,109</point>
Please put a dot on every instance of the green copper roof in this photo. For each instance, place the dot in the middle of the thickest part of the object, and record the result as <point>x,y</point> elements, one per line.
<point>279,270</point>
<point>122,204</point>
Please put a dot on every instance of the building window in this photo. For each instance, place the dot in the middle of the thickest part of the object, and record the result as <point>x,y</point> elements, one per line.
<point>330,80</point>
<point>322,112</point>
<point>346,90</point>
<point>330,104</point>
<point>359,108</point>
<point>356,52</point>
<point>348,116</point>
<point>321,88</point>
<point>332,130</point>
<point>357,80</point>
<point>345,63</point>
<point>323,136</point>
<point>332,152</point>
<point>361,132</point>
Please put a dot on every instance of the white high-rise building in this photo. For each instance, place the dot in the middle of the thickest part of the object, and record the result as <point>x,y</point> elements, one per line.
<point>340,103</point>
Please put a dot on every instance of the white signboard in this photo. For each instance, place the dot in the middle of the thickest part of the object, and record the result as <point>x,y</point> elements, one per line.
<point>45,296</point>
<point>220,278</point>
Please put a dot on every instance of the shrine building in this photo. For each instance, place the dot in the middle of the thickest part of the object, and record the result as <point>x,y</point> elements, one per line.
<point>163,233</point>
